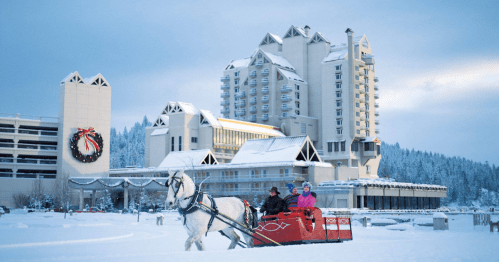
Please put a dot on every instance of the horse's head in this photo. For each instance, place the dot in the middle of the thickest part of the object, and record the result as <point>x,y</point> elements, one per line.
<point>179,185</point>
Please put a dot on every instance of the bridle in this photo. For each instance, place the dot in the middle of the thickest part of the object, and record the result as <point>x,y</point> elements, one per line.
<point>179,182</point>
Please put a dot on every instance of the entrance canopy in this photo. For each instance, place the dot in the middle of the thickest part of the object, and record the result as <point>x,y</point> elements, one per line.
<point>87,183</point>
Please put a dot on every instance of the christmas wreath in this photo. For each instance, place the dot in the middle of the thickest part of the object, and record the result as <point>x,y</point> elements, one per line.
<point>90,136</point>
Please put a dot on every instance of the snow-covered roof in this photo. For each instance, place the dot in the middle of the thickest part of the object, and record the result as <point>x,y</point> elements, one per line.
<point>271,150</point>
<point>327,40</point>
<point>187,107</point>
<point>279,60</point>
<point>439,215</point>
<point>240,63</point>
<point>380,182</point>
<point>336,55</point>
<point>371,139</point>
<point>249,127</point>
<point>291,75</point>
<point>111,182</point>
<point>183,159</point>
<point>277,38</point>
<point>212,120</point>
<point>68,76</point>
<point>160,131</point>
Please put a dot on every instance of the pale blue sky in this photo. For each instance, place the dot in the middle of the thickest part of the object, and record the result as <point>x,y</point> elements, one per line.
<point>437,61</point>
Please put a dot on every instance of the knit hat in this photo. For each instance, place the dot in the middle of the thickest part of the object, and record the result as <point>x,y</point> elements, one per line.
<point>291,186</point>
<point>307,184</point>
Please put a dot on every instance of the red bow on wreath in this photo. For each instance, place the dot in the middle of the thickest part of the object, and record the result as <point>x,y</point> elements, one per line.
<point>86,132</point>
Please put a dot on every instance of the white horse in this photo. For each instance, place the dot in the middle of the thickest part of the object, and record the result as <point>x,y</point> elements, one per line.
<point>181,190</point>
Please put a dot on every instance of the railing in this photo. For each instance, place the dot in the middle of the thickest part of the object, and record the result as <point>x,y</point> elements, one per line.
<point>28,161</point>
<point>376,88</point>
<point>265,108</point>
<point>376,96</point>
<point>285,98</point>
<point>224,94</point>
<point>240,112</point>
<point>285,89</point>
<point>253,82</point>
<point>27,146</point>
<point>285,108</point>
<point>265,90</point>
<point>265,117</point>
<point>225,86</point>
<point>265,72</point>
<point>240,103</point>
<point>377,131</point>
<point>376,79</point>
<point>225,78</point>
<point>39,118</point>
<point>259,63</point>
<point>253,101</point>
<point>225,111</point>
<point>225,103</point>
<point>12,130</point>
<point>265,99</point>
<point>265,80</point>
<point>252,74</point>
<point>253,91</point>
<point>376,114</point>
<point>376,105</point>
<point>216,178</point>
<point>252,118</point>
<point>253,109</point>
<point>241,94</point>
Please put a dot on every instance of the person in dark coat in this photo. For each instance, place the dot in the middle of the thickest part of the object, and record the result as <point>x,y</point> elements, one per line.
<point>273,204</point>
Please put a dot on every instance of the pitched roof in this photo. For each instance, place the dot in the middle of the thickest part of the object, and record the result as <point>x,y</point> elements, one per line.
<point>239,63</point>
<point>291,75</point>
<point>279,60</point>
<point>185,159</point>
<point>249,127</point>
<point>276,149</point>
<point>336,55</point>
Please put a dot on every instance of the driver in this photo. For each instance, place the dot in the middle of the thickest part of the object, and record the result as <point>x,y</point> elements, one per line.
<point>273,204</point>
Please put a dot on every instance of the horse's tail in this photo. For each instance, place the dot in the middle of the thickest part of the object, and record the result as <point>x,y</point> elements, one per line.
<point>250,215</point>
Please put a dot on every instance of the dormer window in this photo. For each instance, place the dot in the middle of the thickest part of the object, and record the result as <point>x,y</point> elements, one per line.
<point>259,55</point>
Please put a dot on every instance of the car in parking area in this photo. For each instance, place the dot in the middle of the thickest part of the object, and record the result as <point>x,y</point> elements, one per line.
<point>5,209</point>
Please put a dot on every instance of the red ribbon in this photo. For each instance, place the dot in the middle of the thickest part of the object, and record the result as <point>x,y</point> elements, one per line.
<point>88,132</point>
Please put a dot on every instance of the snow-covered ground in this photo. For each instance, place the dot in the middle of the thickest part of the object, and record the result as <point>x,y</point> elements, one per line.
<point>115,237</point>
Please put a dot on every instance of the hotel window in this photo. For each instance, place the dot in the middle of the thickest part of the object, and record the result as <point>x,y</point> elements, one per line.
<point>366,72</point>
<point>367,98</point>
<point>297,112</point>
<point>338,103</point>
<point>297,104</point>
<point>179,143</point>
<point>336,147</point>
<point>357,123</point>
<point>339,131</point>
<point>357,95</point>
<point>338,76</point>
<point>194,139</point>
<point>236,82</point>
<point>357,104</point>
<point>356,86</point>
<point>339,121</point>
<point>368,169</point>
<point>297,87</point>
<point>338,112</point>
<point>367,133</point>
<point>173,144</point>
<point>329,146</point>
<point>356,77</point>
<point>367,116</point>
<point>343,146</point>
<point>304,128</point>
<point>259,55</point>
<point>338,94</point>
<point>236,73</point>
<point>297,95</point>
<point>367,107</point>
<point>367,124</point>
<point>357,114</point>
<point>338,67</point>
<point>338,85</point>
<point>356,68</point>
<point>236,90</point>
<point>355,146</point>
<point>358,132</point>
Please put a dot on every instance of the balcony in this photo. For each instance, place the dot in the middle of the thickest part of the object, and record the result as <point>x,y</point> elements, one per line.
<point>265,81</point>
<point>242,118</point>
<point>376,122</point>
<point>265,108</point>
<point>252,118</point>
<point>376,105</point>
<point>377,131</point>
<point>285,107</point>
<point>265,99</point>
<point>265,117</point>
<point>253,74</point>
<point>362,73</point>
<point>376,88</point>
<point>286,89</point>
<point>362,100</point>
<point>376,79</point>
<point>265,90</point>
<point>225,103</point>
<point>259,64</point>
<point>241,112</point>
<point>376,96</point>
<point>253,82</point>
<point>253,92</point>
<point>224,94</point>
<point>225,78</point>
<point>368,59</point>
<point>285,98</point>
<point>241,94</point>
<point>362,91</point>
<point>253,101</point>
<point>241,103</point>
<point>362,118</point>
<point>265,72</point>
<point>376,114</point>
<point>253,109</point>
<point>225,111</point>
<point>225,86</point>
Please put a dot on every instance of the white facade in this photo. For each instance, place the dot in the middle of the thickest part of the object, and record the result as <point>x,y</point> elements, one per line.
<point>308,86</point>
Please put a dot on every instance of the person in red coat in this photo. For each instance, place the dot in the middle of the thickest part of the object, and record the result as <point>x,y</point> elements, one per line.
<point>307,198</point>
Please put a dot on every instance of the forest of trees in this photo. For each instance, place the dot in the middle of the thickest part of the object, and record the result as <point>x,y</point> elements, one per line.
<point>467,182</point>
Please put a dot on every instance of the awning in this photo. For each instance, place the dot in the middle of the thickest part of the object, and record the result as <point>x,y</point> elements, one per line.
<point>371,139</point>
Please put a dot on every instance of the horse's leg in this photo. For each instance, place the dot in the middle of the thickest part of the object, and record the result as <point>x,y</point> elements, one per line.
<point>234,237</point>
<point>249,241</point>
<point>199,244</point>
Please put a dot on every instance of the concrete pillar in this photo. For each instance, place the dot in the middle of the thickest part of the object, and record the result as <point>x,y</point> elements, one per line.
<point>81,199</point>
<point>361,201</point>
<point>93,197</point>
<point>125,194</point>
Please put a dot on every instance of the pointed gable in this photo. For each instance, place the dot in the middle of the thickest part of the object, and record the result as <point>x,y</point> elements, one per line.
<point>73,78</point>
<point>163,120</point>
<point>207,118</point>
<point>97,80</point>
<point>294,31</point>
<point>317,38</point>
<point>188,159</point>
<point>271,39</point>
